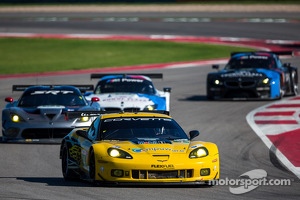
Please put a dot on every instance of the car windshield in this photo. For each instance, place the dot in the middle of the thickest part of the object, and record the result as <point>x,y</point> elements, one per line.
<point>250,62</point>
<point>35,100</point>
<point>141,128</point>
<point>119,85</point>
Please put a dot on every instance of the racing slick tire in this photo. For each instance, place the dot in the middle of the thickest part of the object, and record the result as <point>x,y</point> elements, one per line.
<point>92,167</point>
<point>68,174</point>
<point>209,96</point>
<point>294,83</point>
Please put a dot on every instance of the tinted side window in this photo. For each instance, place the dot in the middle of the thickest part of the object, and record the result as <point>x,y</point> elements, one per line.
<point>93,130</point>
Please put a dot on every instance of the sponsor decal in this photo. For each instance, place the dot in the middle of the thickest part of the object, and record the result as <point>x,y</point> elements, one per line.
<point>196,146</point>
<point>181,141</point>
<point>254,57</point>
<point>89,114</point>
<point>168,166</point>
<point>126,99</point>
<point>136,119</point>
<point>163,149</point>
<point>153,142</point>
<point>53,92</point>
<point>116,80</point>
<point>137,150</point>
<point>241,74</point>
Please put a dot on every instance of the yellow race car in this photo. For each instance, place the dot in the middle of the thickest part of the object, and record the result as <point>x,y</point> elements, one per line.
<point>137,147</point>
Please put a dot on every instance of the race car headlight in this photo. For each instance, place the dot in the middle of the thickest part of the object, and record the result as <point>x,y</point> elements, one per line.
<point>150,107</point>
<point>217,82</point>
<point>16,118</point>
<point>118,153</point>
<point>84,119</point>
<point>266,81</point>
<point>199,153</point>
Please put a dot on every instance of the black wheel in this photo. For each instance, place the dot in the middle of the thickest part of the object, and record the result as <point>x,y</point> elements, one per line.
<point>208,94</point>
<point>92,167</point>
<point>294,83</point>
<point>68,174</point>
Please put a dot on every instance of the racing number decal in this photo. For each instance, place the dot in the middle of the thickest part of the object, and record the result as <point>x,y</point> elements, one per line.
<point>75,153</point>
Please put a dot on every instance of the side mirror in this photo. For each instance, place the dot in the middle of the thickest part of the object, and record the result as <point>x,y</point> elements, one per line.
<point>95,99</point>
<point>286,64</point>
<point>216,67</point>
<point>9,99</point>
<point>194,134</point>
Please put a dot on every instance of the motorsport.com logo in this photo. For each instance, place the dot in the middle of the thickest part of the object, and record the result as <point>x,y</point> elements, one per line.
<point>249,181</point>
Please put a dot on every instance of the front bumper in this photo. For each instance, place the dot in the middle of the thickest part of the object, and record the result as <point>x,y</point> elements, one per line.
<point>38,132</point>
<point>190,171</point>
<point>262,93</point>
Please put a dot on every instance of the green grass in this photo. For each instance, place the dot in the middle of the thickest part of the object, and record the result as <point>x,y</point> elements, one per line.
<point>22,55</point>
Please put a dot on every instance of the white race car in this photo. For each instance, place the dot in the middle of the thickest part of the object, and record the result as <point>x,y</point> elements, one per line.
<point>129,92</point>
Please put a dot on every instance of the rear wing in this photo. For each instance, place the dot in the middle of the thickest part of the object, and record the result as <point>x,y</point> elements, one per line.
<point>77,114</point>
<point>82,88</point>
<point>279,53</point>
<point>150,75</point>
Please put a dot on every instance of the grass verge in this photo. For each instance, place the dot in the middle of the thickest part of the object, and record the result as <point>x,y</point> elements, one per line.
<point>23,55</point>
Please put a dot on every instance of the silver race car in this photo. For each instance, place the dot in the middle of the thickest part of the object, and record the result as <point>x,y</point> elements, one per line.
<point>39,114</point>
<point>130,92</point>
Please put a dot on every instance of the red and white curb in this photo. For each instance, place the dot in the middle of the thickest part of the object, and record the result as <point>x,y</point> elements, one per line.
<point>278,126</point>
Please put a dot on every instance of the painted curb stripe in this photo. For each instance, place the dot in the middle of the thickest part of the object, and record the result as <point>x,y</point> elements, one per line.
<point>279,130</point>
<point>275,113</point>
<point>285,106</point>
<point>289,144</point>
<point>276,122</point>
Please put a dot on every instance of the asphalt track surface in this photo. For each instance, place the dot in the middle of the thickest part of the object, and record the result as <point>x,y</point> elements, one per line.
<point>34,171</point>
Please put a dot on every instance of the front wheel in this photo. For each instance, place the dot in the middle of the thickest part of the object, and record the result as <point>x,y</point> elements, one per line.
<point>92,167</point>
<point>68,174</point>
<point>294,83</point>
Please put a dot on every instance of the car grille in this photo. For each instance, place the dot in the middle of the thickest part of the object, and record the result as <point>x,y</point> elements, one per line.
<point>164,174</point>
<point>42,133</point>
<point>240,84</point>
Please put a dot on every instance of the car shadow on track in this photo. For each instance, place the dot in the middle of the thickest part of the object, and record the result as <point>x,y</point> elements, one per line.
<point>59,181</point>
<point>204,98</point>
<point>275,161</point>
<point>195,98</point>
<point>55,181</point>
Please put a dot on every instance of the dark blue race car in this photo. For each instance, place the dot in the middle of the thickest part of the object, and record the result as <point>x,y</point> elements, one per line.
<point>253,75</point>
<point>39,114</point>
